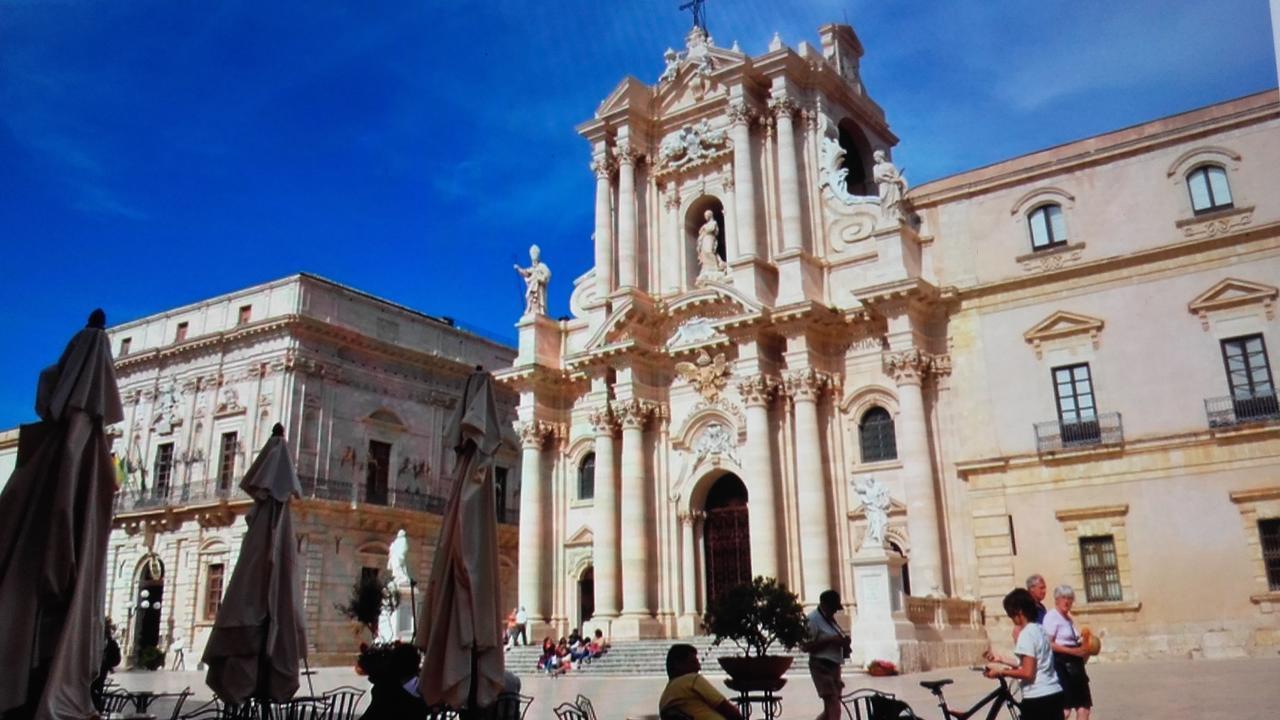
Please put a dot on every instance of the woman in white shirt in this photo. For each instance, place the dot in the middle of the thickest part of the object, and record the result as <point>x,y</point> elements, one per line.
<point>1068,656</point>
<point>1032,664</point>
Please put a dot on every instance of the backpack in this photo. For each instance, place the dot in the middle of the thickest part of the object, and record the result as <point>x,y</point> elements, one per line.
<point>884,707</point>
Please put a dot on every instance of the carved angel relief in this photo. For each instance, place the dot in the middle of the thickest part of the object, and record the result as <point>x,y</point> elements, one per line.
<point>708,376</point>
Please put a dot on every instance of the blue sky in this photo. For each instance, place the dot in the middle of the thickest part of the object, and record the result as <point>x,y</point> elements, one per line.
<point>157,152</point>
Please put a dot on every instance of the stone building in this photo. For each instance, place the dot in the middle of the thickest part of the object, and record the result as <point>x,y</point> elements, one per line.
<point>784,363</point>
<point>364,388</point>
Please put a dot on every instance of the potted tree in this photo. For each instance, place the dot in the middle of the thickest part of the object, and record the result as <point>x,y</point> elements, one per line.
<point>757,616</point>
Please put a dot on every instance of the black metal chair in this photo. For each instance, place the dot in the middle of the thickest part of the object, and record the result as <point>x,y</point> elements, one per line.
<point>344,701</point>
<point>584,704</point>
<point>569,711</point>
<point>860,704</point>
<point>215,710</point>
<point>116,702</point>
<point>178,701</point>
<point>305,708</point>
<point>511,706</point>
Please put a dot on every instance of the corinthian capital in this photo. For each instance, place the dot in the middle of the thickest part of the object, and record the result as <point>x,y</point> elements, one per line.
<point>532,433</point>
<point>807,384</point>
<point>602,166</point>
<point>740,113</point>
<point>909,367</point>
<point>783,105</point>
<point>603,422</point>
<point>633,413</point>
<point>757,389</point>
<point>626,155</point>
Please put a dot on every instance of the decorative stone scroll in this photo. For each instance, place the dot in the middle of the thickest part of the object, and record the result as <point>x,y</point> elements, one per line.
<point>716,440</point>
<point>694,330</point>
<point>691,144</point>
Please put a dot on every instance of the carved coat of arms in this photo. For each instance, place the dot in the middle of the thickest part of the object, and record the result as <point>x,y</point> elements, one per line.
<point>707,376</point>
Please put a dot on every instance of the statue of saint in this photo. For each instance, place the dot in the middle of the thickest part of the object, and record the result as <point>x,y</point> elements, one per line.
<point>673,66</point>
<point>893,186</point>
<point>536,277</point>
<point>398,559</point>
<point>710,266</point>
<point>875,504</point>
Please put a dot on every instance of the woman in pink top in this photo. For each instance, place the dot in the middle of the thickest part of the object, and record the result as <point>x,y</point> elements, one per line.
<point>1068,656</point>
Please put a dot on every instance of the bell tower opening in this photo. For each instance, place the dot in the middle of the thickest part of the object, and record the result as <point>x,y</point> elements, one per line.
<point>857,159</point>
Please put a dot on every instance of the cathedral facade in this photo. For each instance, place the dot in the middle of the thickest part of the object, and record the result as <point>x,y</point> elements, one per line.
<point>785,358</point>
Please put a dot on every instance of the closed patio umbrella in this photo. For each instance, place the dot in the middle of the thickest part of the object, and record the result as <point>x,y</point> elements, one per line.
<point>55,521</point>
<point>259,636</point>
<point>463,663</point>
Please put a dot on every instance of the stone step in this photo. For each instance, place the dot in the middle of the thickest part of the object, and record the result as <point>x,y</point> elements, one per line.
<point>638,657</point>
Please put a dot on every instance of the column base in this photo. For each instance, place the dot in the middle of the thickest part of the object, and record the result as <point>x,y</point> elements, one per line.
<point>603,624</point>
<point>688,626</point>
<point>881,627</point>
<point>636,627</point>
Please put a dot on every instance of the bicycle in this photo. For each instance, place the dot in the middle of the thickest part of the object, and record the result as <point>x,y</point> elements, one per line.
<point>1002,698</point>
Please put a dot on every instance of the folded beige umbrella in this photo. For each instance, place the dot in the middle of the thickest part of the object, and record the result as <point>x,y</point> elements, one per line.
<point>259,636</point>
<point>459,623</point>
<point>55,521</point>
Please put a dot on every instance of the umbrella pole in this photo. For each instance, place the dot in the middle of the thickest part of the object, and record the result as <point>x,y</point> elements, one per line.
<point>306,670</point>
<point>413,607</point>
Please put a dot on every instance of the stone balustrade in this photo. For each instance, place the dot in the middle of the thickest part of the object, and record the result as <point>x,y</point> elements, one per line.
<point>942,613</point>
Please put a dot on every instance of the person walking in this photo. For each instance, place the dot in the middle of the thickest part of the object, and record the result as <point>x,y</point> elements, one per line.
<point>828,647</point>
<point>1032,664</point>
<point>176,649</point>
<point>522,626</point>
<point>1069,655</point>
<point>1038,589</point>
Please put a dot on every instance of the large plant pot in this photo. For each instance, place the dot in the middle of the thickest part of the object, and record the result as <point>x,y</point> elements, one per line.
<point>756,673</point>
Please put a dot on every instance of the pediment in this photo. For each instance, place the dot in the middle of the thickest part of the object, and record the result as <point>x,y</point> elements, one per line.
<point>656,323</point>
<point>688,88</point>
<point>629,93</point>
<point>1232,293</point>
<point>1063,324</point>
<point>582,537</point>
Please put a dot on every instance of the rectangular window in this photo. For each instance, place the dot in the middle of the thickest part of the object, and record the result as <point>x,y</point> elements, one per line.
<point>1077,412</point>
<point>1101,571</point>
<point>1249,375</point>
<point>181,333</point>
<point>1269,533</point>
<point>227,460</point>
<point>213,590</point>
<point>246,312</point>
<point>125,344</point>
<point>163,469</point>
<point>377,472</point>
<point>500,491</point>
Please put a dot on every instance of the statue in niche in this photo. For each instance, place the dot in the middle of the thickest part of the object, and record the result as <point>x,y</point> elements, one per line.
<point>398,559</point>
<point>893,186</point>
<point>536,277</point>
<point>710,266</point>
<point>166,415</point>
<point>875,504</point>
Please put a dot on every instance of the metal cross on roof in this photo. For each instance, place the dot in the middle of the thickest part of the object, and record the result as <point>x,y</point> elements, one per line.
<point>699,13</point>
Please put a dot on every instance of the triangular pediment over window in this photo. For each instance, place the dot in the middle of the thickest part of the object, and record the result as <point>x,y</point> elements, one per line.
<point>580,538</point>
<point>1061,325</point>
<point>1233,293</point>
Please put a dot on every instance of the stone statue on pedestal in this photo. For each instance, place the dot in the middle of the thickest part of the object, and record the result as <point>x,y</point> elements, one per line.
<point>875,504</point>
<point>893,186</point>
<point>536,278</point>
<point>398,559</point>
<point>710,266</point>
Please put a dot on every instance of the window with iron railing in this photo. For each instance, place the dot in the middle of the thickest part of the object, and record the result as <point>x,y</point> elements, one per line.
<point>1101,569</point>
<point>227,461</point>
<point>1269,534</point>
<point>1253,394</point>
<point>1077,411</point>
<point>213,590</point>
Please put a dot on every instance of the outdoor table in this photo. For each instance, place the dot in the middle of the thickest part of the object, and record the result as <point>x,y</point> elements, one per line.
<point>766,697</point>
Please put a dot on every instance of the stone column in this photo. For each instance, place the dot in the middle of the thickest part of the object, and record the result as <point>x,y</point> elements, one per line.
<point>603,168</point>
<point>604,547</point>
<point>908,369</point>
<point>635,510</point>
<point>783,108</point>
<point>804,386</point>
<point>744,179</point>
<point>762,495</point>
<point>672,277</point>
<point>533,510</point>
<point>688,565</point>
<point>627,250</point>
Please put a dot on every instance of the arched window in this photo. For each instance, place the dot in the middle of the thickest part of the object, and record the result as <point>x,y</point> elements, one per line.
<point>857,159</point>
<point>906,576</point>
<point>875,435</point>
<point>1048,229</point>
<point>1209,189</point>
<point>587,477</point>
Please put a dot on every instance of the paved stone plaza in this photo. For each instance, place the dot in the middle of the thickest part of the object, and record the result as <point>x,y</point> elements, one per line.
<point>1204,690</point>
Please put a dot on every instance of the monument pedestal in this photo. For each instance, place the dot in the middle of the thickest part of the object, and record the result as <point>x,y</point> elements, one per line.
<point>539,341</point>
<point>399,623</point>
<point>881,626</point>
<point>799,277</point>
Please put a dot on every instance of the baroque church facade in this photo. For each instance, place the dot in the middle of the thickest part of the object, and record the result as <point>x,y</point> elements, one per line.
<point>784,360</point>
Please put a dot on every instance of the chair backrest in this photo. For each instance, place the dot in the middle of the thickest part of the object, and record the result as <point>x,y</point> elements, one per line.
<point>344,701</point>
<point>569,711</point>
<point>584,704</point>
<point>510,706</point>
<point>116,702</point>
<point>868,704</point>
<point>211,710</point>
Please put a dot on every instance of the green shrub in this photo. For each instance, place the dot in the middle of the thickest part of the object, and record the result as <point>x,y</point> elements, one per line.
<point>755,616</point>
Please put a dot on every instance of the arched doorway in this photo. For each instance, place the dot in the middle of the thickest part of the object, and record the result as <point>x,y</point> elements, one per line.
<point>586,595</point>
<point>726,536</point>
<point>147,602</point>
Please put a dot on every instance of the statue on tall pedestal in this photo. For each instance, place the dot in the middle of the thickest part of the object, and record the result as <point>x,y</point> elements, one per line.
<point>398,559</point>
<point>875,505</point>
<point>536,278</point>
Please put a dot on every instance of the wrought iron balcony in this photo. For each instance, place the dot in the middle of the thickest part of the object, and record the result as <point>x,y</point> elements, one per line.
<point>1102,429</point>
<point>1225,412</point>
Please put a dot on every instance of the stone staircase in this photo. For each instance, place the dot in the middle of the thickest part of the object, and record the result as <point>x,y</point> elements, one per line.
<point>638,658</point>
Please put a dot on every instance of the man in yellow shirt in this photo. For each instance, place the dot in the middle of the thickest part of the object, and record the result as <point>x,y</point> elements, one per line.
<point>688,694</point>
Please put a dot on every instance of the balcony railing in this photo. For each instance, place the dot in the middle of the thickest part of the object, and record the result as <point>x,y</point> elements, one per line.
<point>1102,429</point>
<point>1225,412</point>
<point>133,500</point>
